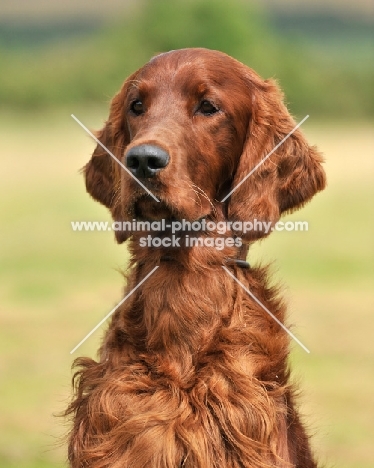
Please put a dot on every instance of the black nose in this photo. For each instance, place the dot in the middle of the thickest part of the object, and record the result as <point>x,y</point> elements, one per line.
<point>146,160</point>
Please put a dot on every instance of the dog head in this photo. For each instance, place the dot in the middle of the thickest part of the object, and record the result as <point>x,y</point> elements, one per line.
<point>190,128</point>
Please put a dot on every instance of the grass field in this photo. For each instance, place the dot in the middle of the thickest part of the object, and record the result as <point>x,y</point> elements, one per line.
<point>56,285</point>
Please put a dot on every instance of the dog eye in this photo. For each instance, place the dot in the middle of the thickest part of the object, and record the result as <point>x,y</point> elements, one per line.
<point>207,108</point>
<point>137,107</point>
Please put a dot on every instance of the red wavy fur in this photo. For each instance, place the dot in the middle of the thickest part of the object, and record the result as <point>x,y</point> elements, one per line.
<point>193,372</point>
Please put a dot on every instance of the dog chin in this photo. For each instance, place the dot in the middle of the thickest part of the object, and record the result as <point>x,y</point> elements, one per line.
<point>149,209</point>
<point>145,208</point>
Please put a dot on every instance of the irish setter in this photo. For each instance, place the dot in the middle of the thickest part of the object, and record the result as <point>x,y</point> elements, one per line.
<point>192,371</point>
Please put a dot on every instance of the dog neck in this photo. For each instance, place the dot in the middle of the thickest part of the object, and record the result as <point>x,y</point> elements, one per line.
<point>176,315</point>
<point>192,249</point>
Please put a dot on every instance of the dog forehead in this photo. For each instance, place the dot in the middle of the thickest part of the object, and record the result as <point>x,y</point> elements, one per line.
<point>192,70</point>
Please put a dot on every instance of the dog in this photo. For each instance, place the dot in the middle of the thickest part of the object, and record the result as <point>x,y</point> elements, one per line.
<point>193,370</point>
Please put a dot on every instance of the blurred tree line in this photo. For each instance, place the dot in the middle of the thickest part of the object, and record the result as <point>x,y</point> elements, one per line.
<point>91,70</point>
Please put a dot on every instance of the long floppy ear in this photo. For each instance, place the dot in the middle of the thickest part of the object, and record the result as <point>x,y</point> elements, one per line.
<point>103,173</point>
<point>100,171</point>
<point>281,182</point>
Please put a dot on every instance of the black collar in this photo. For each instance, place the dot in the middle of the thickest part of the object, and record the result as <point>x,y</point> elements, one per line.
<point>228,261</point>
<point>238,263</point>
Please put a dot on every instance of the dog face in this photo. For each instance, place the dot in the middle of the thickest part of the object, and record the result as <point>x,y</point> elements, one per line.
<point>190,125</point>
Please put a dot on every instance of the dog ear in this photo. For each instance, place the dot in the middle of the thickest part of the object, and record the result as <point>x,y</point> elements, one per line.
<point>103,173</point>
<point>281,182</point>
<point>99,171</point>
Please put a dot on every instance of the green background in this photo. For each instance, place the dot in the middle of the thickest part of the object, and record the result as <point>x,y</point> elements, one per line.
<point>56,285</point>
